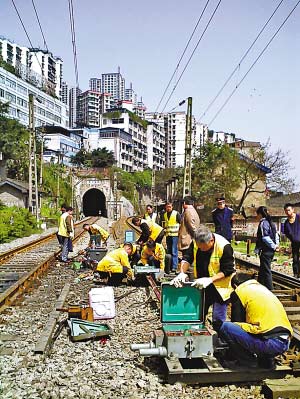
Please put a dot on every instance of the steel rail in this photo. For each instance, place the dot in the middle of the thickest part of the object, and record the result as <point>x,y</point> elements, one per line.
<point>26,282</point>
<point>24,247</point>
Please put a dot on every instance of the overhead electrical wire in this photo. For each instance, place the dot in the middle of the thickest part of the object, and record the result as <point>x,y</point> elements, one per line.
<point>257,58</point>
<point>240,62</point>
<point>73,36</point>
<point>37,17</point>
<point>22,23</point>
<point>182,55</point>
<point>191,56</point>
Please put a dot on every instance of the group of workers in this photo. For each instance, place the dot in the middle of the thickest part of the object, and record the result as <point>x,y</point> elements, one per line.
<point>259,328</point>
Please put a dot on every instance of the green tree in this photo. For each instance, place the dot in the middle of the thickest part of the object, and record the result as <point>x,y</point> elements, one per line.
<point>14,145</point>
<point>102,158</point>
<point>264,164</point>
<point>215,171</point>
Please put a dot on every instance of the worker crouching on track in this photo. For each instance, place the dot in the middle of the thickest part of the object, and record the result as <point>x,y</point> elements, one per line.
<point>115,265</point>
<point>135,256</point>
<point>261,329</point>
<point>212,256</point>
<point>150,230</point>
<point>95,229</point>
<point>154,254</point>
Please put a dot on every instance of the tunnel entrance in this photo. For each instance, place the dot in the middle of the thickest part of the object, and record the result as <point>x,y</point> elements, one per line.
<point>94,203</point>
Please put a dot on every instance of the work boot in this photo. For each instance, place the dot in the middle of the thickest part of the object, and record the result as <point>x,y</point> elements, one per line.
<point>267,363</point>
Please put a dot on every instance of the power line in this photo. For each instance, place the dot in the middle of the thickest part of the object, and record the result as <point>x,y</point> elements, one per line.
<point>241,60</point>
<point>182,55</point>
<point>191,56</point>
<point>17,11</point>
<point>73,36</point>
<point>260,54</point>
<point>37,17</point>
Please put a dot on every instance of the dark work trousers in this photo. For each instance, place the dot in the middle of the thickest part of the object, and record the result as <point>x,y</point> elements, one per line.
<point>114,279</point>
<point>172,249</point>
<point>265,273</point>
<point>154,262</point>
<point>160,237</point>
<point>295,255</point>
<point>60,240</point>
<point>212,297</point>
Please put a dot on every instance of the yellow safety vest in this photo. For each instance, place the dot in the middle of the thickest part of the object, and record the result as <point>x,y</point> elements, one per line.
<point>264,311</point>
<point>62,229</point>
<point>223,286</point>
<point>155,229</point>
<point>159,254</point>
<point>153,219</point>
<point>114,261</point>
<point>171,224</point>
<point>96,229</point>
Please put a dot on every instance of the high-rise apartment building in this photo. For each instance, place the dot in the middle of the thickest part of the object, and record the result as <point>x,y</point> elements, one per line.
<point>95,85</point>
<point>74,92</point>
<point>65,93</point>
<point>39,67</point>
<point>114,84</point>
<point>91,104</point>
<point>47,111</point>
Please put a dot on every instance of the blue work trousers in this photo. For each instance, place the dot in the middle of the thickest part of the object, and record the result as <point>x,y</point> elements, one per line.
<point>234,335</point>
<point>265,272</point>
<point>65,249</point>
<point>172,249</point>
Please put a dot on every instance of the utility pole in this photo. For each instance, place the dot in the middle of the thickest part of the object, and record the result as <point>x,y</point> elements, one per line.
<point>115,189</point>
<point>153,186</point>
<point>32,180</point>
<point>187,178</point>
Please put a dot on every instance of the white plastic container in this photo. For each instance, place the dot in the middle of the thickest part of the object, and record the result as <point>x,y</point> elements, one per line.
<point>103,303</point>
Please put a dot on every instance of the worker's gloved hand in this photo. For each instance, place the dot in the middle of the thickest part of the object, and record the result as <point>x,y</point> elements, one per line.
<point>130,275</point>
<point>160,275</point>
<point>179,280</point>
<point>202,282</point>
<point>71,235</point>
<point>217,324</point>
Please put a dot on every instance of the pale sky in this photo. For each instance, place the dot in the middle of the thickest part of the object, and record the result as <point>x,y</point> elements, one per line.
<point>146,39</point>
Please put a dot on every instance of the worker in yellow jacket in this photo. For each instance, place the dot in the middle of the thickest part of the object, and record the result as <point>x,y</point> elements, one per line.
<point>213,260</point>
<point>115,265</point>
<point>95,229</point>
<point>261,329</point>
<point>150,230</point>
<point>66,232</point>
<point>154,254</point>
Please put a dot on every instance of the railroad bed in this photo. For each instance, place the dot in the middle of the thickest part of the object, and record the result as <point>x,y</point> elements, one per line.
<point>88,369</point>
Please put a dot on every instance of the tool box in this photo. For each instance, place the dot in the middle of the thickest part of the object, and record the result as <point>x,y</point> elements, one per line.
<point>183,333</point>
<point>82,330</point>
<point>145,269</point>
<point>96,253</point>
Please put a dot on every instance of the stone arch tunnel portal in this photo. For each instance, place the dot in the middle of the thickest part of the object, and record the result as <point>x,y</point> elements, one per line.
<point>94,203</point>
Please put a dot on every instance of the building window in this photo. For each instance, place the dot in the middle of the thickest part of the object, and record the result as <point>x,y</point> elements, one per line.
<point>11,83</point>
<point>10,97</point>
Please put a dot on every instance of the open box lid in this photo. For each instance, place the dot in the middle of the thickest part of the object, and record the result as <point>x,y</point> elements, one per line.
<point>184,304</point>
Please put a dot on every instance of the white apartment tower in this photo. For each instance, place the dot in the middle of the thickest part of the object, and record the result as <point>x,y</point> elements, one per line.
<point>95,85</point>
<point>114,84</point>
<point>74,92</point>
<point>65,93</point>
<point>36,66</point>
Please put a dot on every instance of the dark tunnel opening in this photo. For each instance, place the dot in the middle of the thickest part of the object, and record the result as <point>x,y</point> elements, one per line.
<point>94,203</point>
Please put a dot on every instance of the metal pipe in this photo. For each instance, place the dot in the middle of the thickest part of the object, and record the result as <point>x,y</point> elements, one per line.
<point>147,345</point>
<point>160,351</point>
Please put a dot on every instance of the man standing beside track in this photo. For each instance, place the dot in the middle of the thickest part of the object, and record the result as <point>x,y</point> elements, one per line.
<point>292,231</point>
<point>190,221</point>
<point>223,219</point>
<point>66,231</point>
<point>171,221</point>
<point>260,329</point>
<point>150,215</point>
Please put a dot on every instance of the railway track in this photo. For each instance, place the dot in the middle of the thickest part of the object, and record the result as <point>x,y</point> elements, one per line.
<point>21,267</point>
